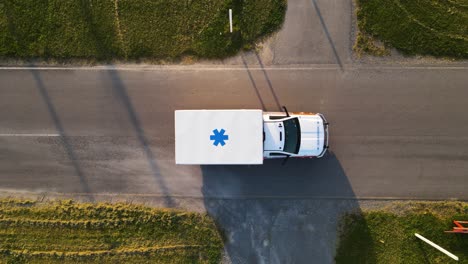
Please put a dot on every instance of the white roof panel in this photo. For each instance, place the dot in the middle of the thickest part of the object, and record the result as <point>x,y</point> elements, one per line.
<point>218,136</point>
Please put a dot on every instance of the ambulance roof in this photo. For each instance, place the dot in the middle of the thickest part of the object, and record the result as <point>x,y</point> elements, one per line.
<point>218,137</point>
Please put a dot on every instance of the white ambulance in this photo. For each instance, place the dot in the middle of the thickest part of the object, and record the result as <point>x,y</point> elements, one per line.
<point>247,136</point>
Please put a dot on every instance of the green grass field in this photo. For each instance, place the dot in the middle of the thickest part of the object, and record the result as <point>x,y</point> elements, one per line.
<point>66,232</point>
<point>133,29</point>
<point>417,27</point>
<point>387,236</point>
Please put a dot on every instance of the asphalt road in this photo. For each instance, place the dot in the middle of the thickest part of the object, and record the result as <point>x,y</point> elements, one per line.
<point>396,132</point>
<point>94,134</point>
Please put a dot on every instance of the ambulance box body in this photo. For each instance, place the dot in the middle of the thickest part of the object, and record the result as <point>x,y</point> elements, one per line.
<point>245,136</point>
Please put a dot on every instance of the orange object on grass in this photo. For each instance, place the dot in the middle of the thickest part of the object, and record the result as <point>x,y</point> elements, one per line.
<point>459,228</point>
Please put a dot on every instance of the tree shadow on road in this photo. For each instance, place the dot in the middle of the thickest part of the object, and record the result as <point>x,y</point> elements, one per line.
<point>327,33</point>
<point>123,96</point>
<point>254,84</point>
<point>267,78</point>
<point>41,87</point>
<point>279,214</point>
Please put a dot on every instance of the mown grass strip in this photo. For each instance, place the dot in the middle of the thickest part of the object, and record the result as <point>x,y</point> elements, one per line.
<point>66,223</point>
<point>133,29</point>
<point>68,232</point>
<point>99,253</point>
<point>417,27</point>
<point>387,236</point>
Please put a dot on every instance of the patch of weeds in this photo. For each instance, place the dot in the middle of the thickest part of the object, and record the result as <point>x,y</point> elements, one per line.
<point>366,44</point>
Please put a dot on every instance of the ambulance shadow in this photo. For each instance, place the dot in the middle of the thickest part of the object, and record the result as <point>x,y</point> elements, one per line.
<point>281,214</point>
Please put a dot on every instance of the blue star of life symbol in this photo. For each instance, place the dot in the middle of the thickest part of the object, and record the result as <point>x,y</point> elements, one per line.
<point>219,137</point>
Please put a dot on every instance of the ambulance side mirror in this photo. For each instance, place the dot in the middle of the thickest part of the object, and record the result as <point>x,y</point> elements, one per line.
<point>286,110</point>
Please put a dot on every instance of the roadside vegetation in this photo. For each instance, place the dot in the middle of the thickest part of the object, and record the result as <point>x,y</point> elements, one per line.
<point>366,44</point>
<point>68,232</point>
<point>133,29</point>
<point>414,27</point>
<point>387,235</point>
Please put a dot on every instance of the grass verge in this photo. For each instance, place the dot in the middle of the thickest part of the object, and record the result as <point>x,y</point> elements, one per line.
<point>417,27</point>
<point>133,29</point>
<point>366,44</point>
<point>387,235</point>
<point>68,232</point>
